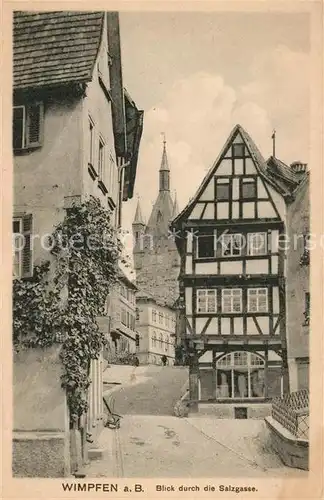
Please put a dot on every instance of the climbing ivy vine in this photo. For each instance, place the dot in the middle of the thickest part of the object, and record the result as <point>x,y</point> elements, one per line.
<point>62,300</point>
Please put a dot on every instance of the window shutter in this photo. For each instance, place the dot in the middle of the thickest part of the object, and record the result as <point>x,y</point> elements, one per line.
<point>27,257</point>
<point>18,125</point>
<point>35,119</point>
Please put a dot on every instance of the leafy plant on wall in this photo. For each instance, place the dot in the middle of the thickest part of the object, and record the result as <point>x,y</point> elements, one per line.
<point>86,252</point>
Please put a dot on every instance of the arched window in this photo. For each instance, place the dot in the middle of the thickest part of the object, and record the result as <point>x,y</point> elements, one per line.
<point>161,340</point>
<point>240,375</point>
<point>154,340</point>
<point>166,343</point>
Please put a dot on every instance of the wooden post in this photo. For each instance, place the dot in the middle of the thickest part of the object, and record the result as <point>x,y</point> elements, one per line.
<point>193,382</point>
<point>285,372</point>
<point>214,374</point>
<point>266,362</point>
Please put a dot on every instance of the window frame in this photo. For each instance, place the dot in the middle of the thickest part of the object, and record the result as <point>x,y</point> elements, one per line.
<point>214,245</point>
<point>223,181</point>
<point>26,254</point>
<point>235,146</point>
<point>250,246</point>
<point>256,295</point>
<point>231,237</point>
<point>248,180</point>
<point>27,143</point>
<point>230,292</point>
<point>205,292</point>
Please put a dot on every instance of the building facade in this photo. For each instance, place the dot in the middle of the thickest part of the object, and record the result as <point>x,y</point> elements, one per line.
<point>155,325</point>
<point>76,134</point>
<point>298,290</point>
<point>233,280</point>
<point>122,311</point>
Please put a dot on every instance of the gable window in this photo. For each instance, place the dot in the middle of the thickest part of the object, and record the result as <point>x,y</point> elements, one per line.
<point>27,126</point>
<point>232,300</point>
<point>248,188</point>
<point>257,300</point>
<point>238,150</point>
<point>206,245</point>
<point>232,244</point>
<point>222,189</point>
<point>206,301</point>
<point>257,243</point>
<point>22,247</point>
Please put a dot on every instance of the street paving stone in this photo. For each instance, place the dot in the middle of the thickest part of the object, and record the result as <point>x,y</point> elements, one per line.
<point>170,447</point>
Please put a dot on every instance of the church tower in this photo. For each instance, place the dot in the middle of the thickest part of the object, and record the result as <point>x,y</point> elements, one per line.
<point>156,258</point>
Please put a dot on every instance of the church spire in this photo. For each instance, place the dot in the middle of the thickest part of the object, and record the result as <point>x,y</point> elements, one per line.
<point>138,218</point>
<point>175,208</point>
<point>164,170</point>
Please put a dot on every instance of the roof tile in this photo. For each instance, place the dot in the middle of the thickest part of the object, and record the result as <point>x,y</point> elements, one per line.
<point>52,48</point>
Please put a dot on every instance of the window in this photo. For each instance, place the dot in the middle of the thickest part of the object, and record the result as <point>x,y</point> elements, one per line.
<point>248,186</point>
<point>101,159</point>
<point>123,317</point>
<point>206,246</point>
<point>257,300</point>
<point>91,143</point>
<point>232,300</point>
<point>305,257</point>
<point>232,244</point>
<point>206,301</point>
<point>240,375</point>
<point>154,339</point>
<point>154,316</point>
<point>238,150</point>
<point>27,126</point>
<point>22,247</point>
<point>161,340</point>
<point>160,318</point>
<point>257,243</point>
<point>307,309</point>
<point>222,189</point>
<point>166,344</point>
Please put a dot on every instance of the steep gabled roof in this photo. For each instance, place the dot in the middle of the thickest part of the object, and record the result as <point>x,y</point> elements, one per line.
<point>273,171</point>
<point>52,48</point>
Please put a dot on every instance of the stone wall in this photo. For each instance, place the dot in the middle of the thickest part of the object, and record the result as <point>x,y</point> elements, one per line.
<point>40,415</point>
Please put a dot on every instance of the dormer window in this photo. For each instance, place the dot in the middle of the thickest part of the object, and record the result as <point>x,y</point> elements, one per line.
<point>27,126</point>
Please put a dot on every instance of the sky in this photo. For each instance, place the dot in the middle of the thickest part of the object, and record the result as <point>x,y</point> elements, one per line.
<point>196,75</point>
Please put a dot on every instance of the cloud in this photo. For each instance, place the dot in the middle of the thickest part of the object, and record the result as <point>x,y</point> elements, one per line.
<point>198,113</point>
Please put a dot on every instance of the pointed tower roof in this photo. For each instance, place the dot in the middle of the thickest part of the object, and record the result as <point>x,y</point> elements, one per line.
<point>164,161</point>
<point>175,209</point>
<point>138,219</point>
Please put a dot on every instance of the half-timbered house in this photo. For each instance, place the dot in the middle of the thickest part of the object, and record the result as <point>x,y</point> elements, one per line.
<point>231,239</point>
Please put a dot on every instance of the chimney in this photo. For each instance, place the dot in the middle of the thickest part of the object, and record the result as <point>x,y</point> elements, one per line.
<point>298,168</point>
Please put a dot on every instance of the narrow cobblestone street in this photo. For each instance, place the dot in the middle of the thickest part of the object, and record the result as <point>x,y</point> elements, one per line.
<point>164,446</point>
<point>153,443</point>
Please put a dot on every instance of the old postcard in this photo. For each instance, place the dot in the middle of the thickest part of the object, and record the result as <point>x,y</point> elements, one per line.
<point>163,249</point>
